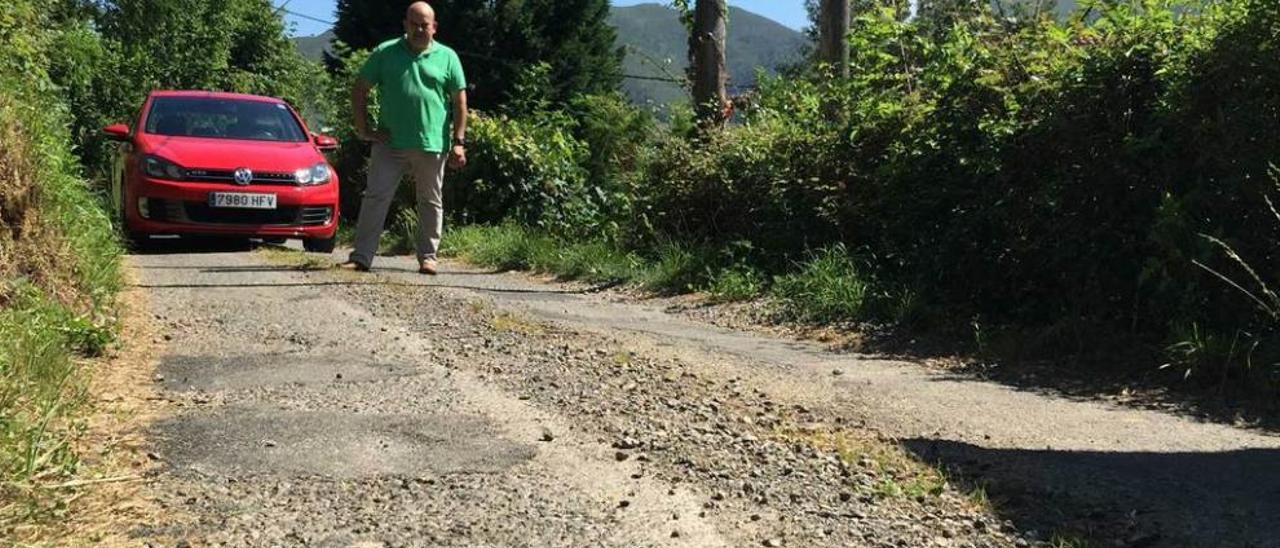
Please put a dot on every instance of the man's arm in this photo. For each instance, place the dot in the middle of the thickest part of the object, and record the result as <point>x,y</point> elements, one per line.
<point>360,111</point>
<point>458,152</point>
<point>459,115</point>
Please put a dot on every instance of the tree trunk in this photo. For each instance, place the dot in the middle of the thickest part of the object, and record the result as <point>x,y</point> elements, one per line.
<point>707,64</point>
<point>834,29</point>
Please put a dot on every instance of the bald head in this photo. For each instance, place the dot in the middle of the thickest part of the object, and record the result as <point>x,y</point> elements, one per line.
<point>422,9</point>
<point>420,25</point>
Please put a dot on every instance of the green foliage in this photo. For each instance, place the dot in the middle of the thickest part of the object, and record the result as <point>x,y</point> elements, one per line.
<point>510,246</point>
<point>352,157</point>
<point>530,170</point>
<point>59,267</point>
<point>737,283</point>
<point>829,287</point>
<point>112,55</point>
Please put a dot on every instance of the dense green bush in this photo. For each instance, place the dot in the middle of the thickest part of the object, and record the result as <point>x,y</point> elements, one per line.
<point>530,170</point>
<point>1030,173</point>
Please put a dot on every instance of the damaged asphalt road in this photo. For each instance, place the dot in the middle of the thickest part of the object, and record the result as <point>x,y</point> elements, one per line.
<point>326,408</point>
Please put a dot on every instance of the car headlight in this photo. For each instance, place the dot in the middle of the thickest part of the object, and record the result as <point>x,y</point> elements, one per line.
<point>314,175</point>
<point>161,168</point>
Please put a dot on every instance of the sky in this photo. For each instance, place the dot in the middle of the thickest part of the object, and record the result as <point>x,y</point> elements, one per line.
<point>788,12</point>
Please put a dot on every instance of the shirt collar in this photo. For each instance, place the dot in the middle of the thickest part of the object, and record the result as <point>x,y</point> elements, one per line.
<point>404,43</point>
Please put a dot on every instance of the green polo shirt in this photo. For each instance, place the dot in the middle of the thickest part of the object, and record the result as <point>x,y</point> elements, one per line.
<point>414,92</point>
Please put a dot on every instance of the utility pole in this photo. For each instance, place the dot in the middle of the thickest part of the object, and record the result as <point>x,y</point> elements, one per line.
<point>834,28</point>
<point>707,63</point>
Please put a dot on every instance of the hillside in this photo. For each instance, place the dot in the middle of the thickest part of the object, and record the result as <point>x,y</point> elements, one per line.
<point>657,46</point>
<point>313,47</point>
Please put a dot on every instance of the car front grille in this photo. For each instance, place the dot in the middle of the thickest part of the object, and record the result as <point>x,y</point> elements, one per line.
<point>228,176</point>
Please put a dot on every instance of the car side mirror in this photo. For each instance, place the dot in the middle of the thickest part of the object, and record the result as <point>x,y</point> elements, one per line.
<point>117,132</point>
<point>325,142</point>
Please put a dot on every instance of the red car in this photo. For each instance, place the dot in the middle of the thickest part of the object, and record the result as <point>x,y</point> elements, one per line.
<point>224,164</point>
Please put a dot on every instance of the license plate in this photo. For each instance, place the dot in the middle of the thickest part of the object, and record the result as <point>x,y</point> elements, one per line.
<point>244,200</point>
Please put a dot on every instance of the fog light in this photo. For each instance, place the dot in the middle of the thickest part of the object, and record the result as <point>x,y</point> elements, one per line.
<point>143,210</point>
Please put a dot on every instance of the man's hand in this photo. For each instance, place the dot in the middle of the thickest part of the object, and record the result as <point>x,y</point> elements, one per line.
<point>378,136</point>
<point>458,157</point>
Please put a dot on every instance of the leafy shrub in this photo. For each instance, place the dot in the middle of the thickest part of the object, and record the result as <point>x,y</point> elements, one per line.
<point>828,288</point>
<point>737,283</point>
<point>527,170</point>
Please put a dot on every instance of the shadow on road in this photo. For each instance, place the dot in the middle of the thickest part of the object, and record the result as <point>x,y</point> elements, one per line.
<point>380,282</point>
<point>194,245</point>
<point>1231,498</point>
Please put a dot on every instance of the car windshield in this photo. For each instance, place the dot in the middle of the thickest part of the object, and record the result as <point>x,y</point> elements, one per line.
<point>223,119</point>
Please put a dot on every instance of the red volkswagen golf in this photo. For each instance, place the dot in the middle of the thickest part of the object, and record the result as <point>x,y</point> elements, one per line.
<point>204,163</point>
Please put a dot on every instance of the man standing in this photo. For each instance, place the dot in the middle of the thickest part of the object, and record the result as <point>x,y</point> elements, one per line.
<point>418,80</point>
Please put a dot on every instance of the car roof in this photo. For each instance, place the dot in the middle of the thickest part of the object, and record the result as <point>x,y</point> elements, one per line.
<point>214,95</point>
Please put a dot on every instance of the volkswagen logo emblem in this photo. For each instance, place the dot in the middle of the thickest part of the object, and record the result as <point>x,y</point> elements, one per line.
<point>243,176</point>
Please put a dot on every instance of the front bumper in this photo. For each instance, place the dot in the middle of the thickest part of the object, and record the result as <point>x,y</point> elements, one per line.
<point>165,207</point>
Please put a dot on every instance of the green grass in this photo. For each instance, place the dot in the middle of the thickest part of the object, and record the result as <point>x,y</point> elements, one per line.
<point>829,287</point>
<point>739,283</point>
<point>511,247</point>
<point>1068,540</point>
<point>41,391</point>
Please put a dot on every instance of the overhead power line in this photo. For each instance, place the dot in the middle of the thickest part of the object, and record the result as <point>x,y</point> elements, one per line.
<point>282,8</point>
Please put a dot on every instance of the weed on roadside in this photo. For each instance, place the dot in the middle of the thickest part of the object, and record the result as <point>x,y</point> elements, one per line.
<point>508,321</point>
<point>295,259</point>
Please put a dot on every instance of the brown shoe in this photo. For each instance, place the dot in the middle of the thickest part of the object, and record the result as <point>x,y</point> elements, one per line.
<point>427,266</point>
<point>354,266</point>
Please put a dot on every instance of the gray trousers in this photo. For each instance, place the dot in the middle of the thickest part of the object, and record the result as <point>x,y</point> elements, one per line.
<point>386,167</point>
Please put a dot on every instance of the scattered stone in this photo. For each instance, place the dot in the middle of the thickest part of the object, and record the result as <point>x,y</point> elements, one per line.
<point>547,435</point>
<point>627,443</point>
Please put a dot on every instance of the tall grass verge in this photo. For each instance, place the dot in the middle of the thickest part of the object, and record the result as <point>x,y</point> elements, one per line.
<point>59,274</point>
<point>829,287</point>
<point>511,247</point>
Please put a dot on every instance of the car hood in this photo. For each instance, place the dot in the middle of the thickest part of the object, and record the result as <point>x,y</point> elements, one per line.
<point>196,152</point>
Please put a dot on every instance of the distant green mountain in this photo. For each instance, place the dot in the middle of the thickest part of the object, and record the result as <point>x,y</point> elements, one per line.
<point>657,47</point>
<point>313,47</point>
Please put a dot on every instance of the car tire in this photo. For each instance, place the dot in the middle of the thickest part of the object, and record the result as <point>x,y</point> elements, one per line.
<point>131,240</point>
<point>319,245</point>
